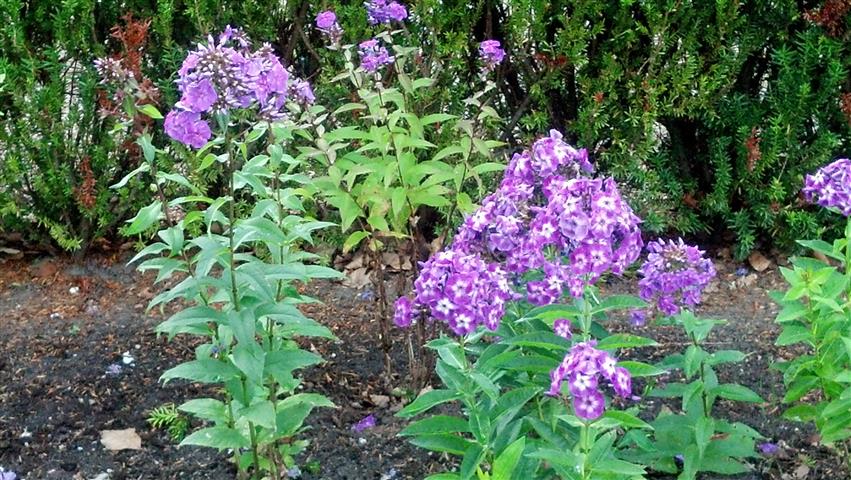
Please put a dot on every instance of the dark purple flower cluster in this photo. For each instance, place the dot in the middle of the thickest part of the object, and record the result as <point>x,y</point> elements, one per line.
<point>547,217</point>
<point>373,56</point>
<point>459,289</point>
<point>225,74</point>
<point>491,54</point>
<point>382,11</point>
<point>365,423</point>
<point>326,22</point>
<point>673,276</point>
<point>582,367</point>
<point>830,186</point>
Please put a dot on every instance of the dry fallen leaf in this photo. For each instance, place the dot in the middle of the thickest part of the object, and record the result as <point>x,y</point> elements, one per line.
<point>802,472</point>
<point>126,439</point>
<point>357,278</point>
<point>758,261</point>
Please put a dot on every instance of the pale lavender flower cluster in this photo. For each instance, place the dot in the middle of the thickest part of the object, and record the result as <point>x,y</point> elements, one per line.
<point>830,186</point>
<point>111,70</point>
<point>373,56</point>
<point>326,22</point>
<point>491,54</point>
<point>673,276</point>
<point>382,11</point>
<point>459,289</point>
<point>225,74</point>
<point>547,217</point>
<point>582,368</point>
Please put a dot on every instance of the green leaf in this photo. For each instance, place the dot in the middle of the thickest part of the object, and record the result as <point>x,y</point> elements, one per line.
<point>145,219</point>
<point>151,111</point>
<point>187,320</point>
<point>725,356</point>
<point>627,420</point>
<point>436,117</point>
<point>619,467</point>
<point>145,167</point>
<point>472,459</point>
<point>205,370</point>
<point>353,240</point>
<point>619,302</point>
<point>624,340</point>
<point>281,363</point>
<point>792,334</point>
<point>506,462</point>
<point>207,409</point>
<point>220,437</point>
<point>428,400</point>
<point>547,340</point>
<point>739,393</point>
<point>349,107</point>
<point>801,413</point>
<point>261,414</point>
<point>250,359</point>
<point>442,443</point>
<point>640,369</point>
<point>436,424</point>
<point>822,247</point>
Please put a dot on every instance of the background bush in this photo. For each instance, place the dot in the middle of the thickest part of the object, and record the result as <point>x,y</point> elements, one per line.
<point>708,112</point>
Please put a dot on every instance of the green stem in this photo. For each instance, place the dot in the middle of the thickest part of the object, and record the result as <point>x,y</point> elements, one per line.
<point>848,258</point>
<point>252,434</point>
<point>585,446</point>
<point>586,317</point>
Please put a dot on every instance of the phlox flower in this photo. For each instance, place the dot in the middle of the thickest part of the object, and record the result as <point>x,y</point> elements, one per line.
<point>673,277</point>
<point>830,186</point>
<point>582,368</point>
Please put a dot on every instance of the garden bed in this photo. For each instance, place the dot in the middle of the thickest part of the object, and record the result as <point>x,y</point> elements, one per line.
<point>66,323</point>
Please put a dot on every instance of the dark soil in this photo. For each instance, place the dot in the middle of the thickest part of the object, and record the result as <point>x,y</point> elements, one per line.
<point>56,396</point>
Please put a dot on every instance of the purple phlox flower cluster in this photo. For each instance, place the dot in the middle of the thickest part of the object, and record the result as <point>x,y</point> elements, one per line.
<point>582,368</point>
<point>326,22</point>
<point>459,289</point>
<point>373,56</point>
<point>491,54</point>
<point>222,75</point>
<point>7,475</point>
<point>301,91</point>
<point>382,11</point>
<point>769,449</point>
<point>830,186</point>
<point>561,327</point>
<point>673,276</point>
<point>546,216</point>
<point>365,423</point>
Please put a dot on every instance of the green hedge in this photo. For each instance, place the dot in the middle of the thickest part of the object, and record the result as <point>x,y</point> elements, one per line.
<point>709,112</point>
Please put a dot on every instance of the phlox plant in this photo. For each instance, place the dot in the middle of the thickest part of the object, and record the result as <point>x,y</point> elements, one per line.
<point>237,257</point>
<point>392,151</point>
<point>542,391</point>
<point>672,279</point>
<point>814,313</point>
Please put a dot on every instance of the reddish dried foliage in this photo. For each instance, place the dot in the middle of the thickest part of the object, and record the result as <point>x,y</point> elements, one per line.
<point>845,105</point>
<point>831,16</point>
<point>598,98</point>
<point>752,146</point>
<point>133,36</point>
<point>85,192</point>
<point>551,62</point>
